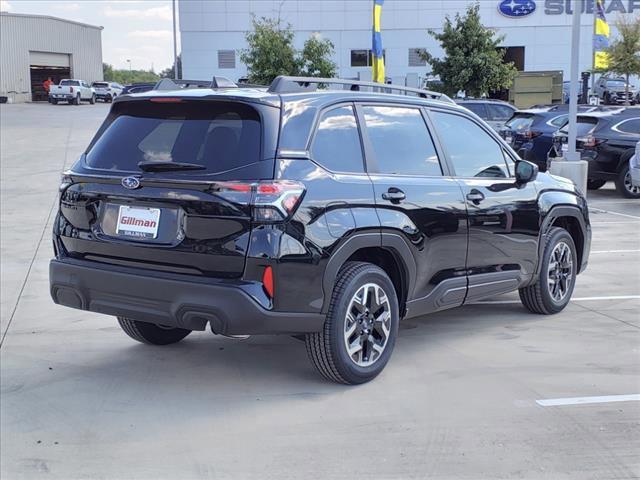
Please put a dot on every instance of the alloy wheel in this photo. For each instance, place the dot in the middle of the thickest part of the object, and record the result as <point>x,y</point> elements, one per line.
<point>367,325</point>
<point>628,185</point>
<point>560,271</point>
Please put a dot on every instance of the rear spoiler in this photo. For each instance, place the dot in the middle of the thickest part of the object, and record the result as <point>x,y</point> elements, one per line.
<point>175,84</point>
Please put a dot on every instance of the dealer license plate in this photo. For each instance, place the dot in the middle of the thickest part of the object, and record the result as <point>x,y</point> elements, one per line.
<point>565,147</point>
<point>138,222</point>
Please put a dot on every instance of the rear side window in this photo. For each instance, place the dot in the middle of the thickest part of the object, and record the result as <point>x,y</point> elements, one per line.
<point>520,122</point>
<point>220,136</point>
<point>337,142</point>
<point>477,108</point>
<point>401,142</point>
<point>629,126</point>
<point>558,121</point>
<point>472,150</point>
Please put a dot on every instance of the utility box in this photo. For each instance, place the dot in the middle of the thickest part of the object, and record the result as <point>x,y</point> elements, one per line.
<point>535,88</point>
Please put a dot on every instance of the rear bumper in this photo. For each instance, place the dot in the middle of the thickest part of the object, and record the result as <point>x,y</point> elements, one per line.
<point>61,96</point>
<point>230,307</point>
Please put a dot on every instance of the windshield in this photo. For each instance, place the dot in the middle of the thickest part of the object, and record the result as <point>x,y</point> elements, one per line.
<point>520,122</point>
<point>220,136</point>
<point>615,83</point>
<point>72,83</point>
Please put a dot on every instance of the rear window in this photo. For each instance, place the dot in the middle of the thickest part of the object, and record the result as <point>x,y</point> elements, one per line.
<point>585,126</point>
<point>221,136</point>
<point>520,122</point>
<point>72,83</point>
<point>100,84</point>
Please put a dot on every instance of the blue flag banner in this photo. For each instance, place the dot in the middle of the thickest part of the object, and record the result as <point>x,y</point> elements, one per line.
<point>376,44</point>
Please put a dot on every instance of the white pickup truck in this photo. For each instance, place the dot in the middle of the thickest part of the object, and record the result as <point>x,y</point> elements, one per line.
<point>72,91</point>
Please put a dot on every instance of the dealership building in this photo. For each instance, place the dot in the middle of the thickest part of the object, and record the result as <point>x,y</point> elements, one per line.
<point>537,32</point>
<point>36,47</point>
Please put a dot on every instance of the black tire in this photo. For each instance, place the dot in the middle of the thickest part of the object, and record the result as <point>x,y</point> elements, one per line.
<point>327,349</point>
<point>77,100</point>
<point>606,99</point>
<point>623,180</point>
<point>537,298</point>
<point>54,101</point>
<point>150,333</point>
<point>595,184</point>
<point>93,100</point>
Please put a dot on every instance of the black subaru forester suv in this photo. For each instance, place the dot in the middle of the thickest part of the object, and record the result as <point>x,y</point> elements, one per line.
<point>325,214</point>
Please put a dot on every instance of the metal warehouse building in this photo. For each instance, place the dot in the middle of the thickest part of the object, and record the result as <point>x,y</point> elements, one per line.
<point>35,47</point>
<point>537,32</point>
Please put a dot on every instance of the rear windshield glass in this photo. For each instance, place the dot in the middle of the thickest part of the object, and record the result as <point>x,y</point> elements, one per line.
<point>100,84</point>
<point>220,136</point>
<point>520,122</point>
<point>73,83</point>
<point>585,126</point>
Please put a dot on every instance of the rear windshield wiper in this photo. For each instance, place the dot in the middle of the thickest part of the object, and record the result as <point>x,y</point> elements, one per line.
<point>151,166</point>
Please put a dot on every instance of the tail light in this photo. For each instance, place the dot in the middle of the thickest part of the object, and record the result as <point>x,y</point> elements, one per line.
<point>589,141</point>
<point>71,89</point>
<point>271,200</point>
<point>529,134</point>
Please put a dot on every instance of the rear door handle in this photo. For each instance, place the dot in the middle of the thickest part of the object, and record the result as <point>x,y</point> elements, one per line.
<point>394,195</point>
<point>475,196</point>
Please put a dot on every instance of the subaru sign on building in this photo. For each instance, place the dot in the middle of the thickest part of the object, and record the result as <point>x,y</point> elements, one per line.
<point>536,32</point>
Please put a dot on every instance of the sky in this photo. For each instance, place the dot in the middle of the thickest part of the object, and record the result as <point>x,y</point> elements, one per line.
<point>138,30</point>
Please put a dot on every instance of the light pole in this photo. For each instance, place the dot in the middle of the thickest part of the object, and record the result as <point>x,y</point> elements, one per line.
<point>129,62</point>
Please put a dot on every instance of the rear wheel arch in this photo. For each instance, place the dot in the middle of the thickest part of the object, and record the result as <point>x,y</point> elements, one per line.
<point>388,251</point>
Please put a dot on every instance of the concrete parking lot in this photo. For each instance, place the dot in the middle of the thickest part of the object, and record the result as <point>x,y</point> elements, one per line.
<point>466,395</point>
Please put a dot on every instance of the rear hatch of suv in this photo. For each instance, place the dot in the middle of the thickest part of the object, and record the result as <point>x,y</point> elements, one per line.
<point>167,184</point>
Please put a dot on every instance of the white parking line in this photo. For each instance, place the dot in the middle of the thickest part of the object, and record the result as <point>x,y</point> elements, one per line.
<point>614,213</point>
<point>615,251</point>
<point>556,402</point>
<point>576,299</point>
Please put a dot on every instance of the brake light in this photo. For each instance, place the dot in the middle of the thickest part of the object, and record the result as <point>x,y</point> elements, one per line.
<point>271,200</point>
<point>70,89</point>
<point>166,100</point>
<point>267,281</point>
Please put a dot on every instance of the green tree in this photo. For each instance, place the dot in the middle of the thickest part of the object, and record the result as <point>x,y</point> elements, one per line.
<point>472,61</point>
<point>316,58</point>
<point>126,76</point>
<point>168,72</point>
<point>271,52</point>
<point>624,51</point>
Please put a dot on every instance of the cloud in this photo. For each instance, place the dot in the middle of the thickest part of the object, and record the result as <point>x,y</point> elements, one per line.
<point>155,12</point>
<point>5,6</point>
<point>150,34</point>
<point>67,7</point>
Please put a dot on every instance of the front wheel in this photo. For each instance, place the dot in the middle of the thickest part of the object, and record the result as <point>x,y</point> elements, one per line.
<point>361,326</point>
<point>92,101</point>
<point>556,276</point>
<point>150,333</point>
<point>623,181</point>
<point>54,101</point>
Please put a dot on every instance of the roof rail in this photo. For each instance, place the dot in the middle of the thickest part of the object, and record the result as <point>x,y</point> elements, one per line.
<point>175,84</point>
<point>285,84</point>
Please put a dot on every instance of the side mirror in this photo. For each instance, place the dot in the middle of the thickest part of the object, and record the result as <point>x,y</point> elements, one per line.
<point>525,172</point>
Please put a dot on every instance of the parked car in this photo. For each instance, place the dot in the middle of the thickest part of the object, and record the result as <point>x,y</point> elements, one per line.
<point>138,88</point>
<point>72,91</point>
<point>530,132</point>
<point>607,140</point>
<point>494,112</point>
<point>613,90</point>
<point>634,167</point>
<point>107,91</point>
<point>327,214</point>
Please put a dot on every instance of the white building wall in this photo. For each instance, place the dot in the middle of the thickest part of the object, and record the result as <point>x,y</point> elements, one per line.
<point>207,26</point>
<point>20,34</point>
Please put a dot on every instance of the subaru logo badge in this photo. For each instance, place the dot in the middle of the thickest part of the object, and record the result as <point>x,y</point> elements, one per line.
<point>517,8</point>
<point>130,182</point>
